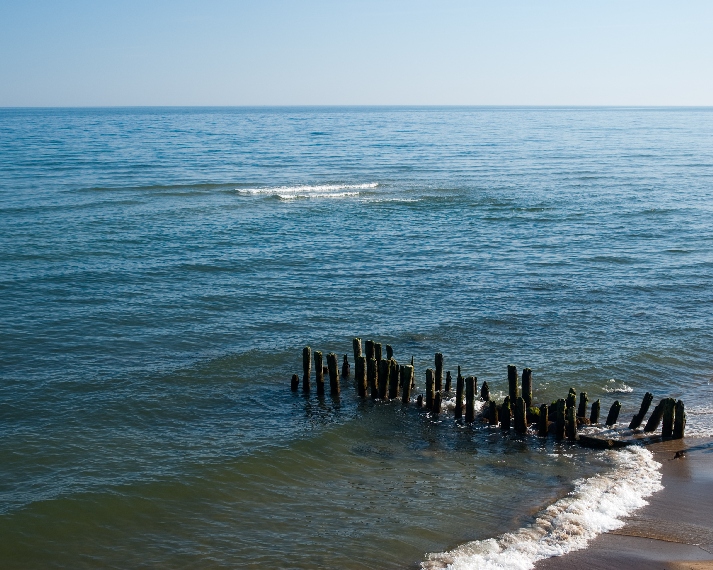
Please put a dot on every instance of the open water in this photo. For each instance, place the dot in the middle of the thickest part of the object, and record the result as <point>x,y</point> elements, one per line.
<point>161,270</point>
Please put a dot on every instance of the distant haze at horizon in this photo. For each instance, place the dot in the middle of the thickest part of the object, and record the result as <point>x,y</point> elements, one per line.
<point>220,53</point>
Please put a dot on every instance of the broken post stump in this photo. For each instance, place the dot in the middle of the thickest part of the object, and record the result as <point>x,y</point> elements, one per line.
<point>596,408</point>
<point>356,345</point>
<point>389,352</point>
<point>306,367</point>
<point>654,418</point>
<point>505,414</point>
<point>514,389</point>
<point>406,372</point>
<point>345,367</point>
<point>448,381</point>
<point>369,345</point>
<point>679,423</point>
<point>383,378</point>
<point>583,401</point>
<point>527,387</point>
<point>571,426</point>
<point>543,421</point>
<point>571,398</point>
<point>332,366</point>
<point>470,399</point>
<point>493,415</point>
<point>439,371</point>
<point>458,410</point>
<point>430,388</point>
<point>360,375</point>
<point>377,350</point>
<point>669,409</point>
<point>295,384</point>
<point>519,415</point>
<point>437,404</point>
<point>319,372</point>
<point>485,392</point>
<point>639,417</point>
<point>613,413</point>
<point>372,374</point>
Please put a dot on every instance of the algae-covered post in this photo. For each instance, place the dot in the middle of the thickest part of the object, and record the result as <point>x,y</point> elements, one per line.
<point>655,418</point>
<point>333,367</point>
<point>406,373</point>
<point>583,401</point>
<point>439,371</point>
<point>389,352</point>
<point>527,387</point>
<point>668,411</point>
<point>345,367</point>
<point>372,374</point>
<point>319,372</point>
<point>377,350</point>
<point>360,375</point>
<point>485,392</point>
<point>514,389</point>
<point>613,413</point>
<point>430,388</point>
<point>356,345</point>
<point>596,409</point>
<point>383,378</point>
<point>448,381</point>
<point>519,415</point>
<point>543,421</point>
<point>458,410</point>
<point>493,413</point>
<point>639,417</point>
<point>306,367</point>
<point>679,425</point>
<point>295,384</point>
<point>470,399</point>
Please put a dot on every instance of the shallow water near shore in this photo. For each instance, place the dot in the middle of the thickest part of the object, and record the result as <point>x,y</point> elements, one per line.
<point>161,270</point>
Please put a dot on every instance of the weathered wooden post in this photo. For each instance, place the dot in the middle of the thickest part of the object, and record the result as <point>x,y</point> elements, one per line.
<point>430,388</point>
<point>389,352</point>
<point>583,401</point>
<point>458,410</point>
<point>448,381</point>
<point>470,399</point>
<point>668,411</point>
<point>485,392</point>
<point>437,404</point>
<point>306,367</point>
<point>413,375</point>
<point>345,367</point>
<point>571,401</point>
<point>377,350</point>
<point>561,421</point>
<point>543,421</point>
<point>383,378</point>
<point>571,425</point>
<point>319,372</point>
<point>439,371</point>
<point>679,426</point>
<point>613,413</point>
<point>493,413</point>
<point>519,414</point>
<point>360,375</point>
<point>369,350</point>
<point>527,387</point>
<point>639,417</point>
<point>356,345</point>
<point>512,384</point>
<point>372,373</point>
<point>596,408</point>
<point>459,376</point>
<point>295,384</point>
<point>505,414</point>
<point>419,401</point>
<point>393,379</point>
<point>406,372</point>
<point>655,418</point>
<point>333,366</point>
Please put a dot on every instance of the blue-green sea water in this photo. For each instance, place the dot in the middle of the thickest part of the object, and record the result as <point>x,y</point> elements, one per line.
<point>162,269</point>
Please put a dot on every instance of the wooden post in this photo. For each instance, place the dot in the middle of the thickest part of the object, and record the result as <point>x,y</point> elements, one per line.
<point>393,379</point>
<point>561,419</point>
<point>512,383</point>
<point>333,366</point>
<point>583,401</point>
<point>613,413</point>
<point>459,376</point>
<point>596,408</point>
<point>319,372</point>
<point>295,384</point>
<point>519,413</point>
<point>372,373</point>
<point>493,413</point>
<point>485,392</point>
<point>543,421</point>
<point>406,372</point>
<point>419,401</point>
<point>668,411</point>
<point>369,350</point>
<point>505,414</point>
<point>346,370</point>
<point>571,399</point>
<point>377,350</point>
<point>527,387</point>
<point>571,424</point>
<point>356,345</point>
<point>360,374</point>
<point>470,399</point>
<point>437,404</point>
<point>639,418</point>
<point>458,410</point>
<point>306,367</point>
<point>413,375</point>
<point>430,392</point>
<point>679,426</point>
<point>383,378</point>
<point>655,418</point>
<point>389,352</point>
<point>448,381</point>
<point>439,371</point>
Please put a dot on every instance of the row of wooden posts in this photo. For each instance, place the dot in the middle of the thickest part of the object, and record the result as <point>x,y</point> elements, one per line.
<point>383,378</point>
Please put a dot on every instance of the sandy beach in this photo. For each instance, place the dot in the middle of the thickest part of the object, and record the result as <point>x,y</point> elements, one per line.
<point>673,532</point>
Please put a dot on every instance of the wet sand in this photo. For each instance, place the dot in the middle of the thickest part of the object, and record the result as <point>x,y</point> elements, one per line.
<point>673,532</point>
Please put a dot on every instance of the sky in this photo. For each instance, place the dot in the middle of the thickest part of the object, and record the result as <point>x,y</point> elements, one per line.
<point>313,52</point>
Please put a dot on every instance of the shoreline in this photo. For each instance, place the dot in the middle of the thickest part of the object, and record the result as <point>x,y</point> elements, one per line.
<point>673,532</point>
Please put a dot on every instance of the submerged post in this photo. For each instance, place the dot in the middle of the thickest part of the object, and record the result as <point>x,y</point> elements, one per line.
<point>306,367</point>
<point>295,384</point>
<point>332,366</point>
<point>319,372</point>
<point>430,392</point>
<point>470,399</point>
<point>437,404</point>
<point>360,375</point>
<point>519,415</point>
<point>439,371</point>
<point>372,373</point>
<point>583,401</point>
<point>514,389</point>
<point>505,414</point>
<point>356,345</point>
<point>639,417</point>
<point>596,408</point>
<point>485,392</point>
<point>493,413</point>
<point>406,372</point>
<point>527,387</point>
<point>613,413</point>
<point>458,410</point>
<point>679,425</point>
<point>345,367</point>
<point>668,411</point>
<point>448,381</point>
<point>543,421</point>
<point>655,418</point>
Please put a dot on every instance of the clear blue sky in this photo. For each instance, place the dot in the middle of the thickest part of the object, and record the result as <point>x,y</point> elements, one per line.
<point>360,52</point>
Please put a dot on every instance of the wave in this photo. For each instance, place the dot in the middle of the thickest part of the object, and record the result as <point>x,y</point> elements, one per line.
<point>613,386</point>
<point>596,505</point>
<point>309,191</point>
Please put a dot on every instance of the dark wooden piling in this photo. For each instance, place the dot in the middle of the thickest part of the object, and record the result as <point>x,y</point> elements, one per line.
<point>406,373</point>
<point>389,352</point>
<point>458,410</point>
<point>571,401</point>
<point>514,389</point>
<point>613,414</point>
<point>527,387</point>
<point>419,401</point>
<point>430,388</point>
<point>346,370</point>
<point>372,374</point>
<point>413,375</point>
<point>319,372</point>
<point>571,425</point>
<point>459,376</point>
<point>437,404</point>
<point>360,375</point>
<point>669,409</point>
<point>639,417</point>
<point>333,366</point>
<point>505,414</point>
<point>493,413</point>
<point>583,401</point>
<point>561,420</point>
<point>519,415</point>
<point>543,421</point>
<point>485,392</point>
<point>470,399</point>
<point>356,346</point>
<point>369,345</point>
<point>295,384</point>
<point>439,371</point>
<point>377,350</point>
<point>596,409</point>
<point>383,378</point>
<point>654,418</point>
<point>448,381</point>
<point>306,367</point>
<point>393,378</point>
<point>679,424</point>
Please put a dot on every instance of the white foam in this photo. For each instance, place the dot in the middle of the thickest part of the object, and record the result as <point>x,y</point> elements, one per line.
<point>309,191</point>
<point>596,505</point>
<point>699,421</point>
<point>613,386</point>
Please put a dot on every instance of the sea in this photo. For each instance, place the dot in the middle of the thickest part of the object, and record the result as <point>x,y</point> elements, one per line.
<point>162,269</point>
